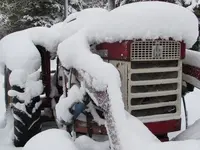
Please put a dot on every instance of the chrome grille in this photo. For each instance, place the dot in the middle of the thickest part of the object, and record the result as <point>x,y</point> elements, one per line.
<point>155,50</point>
<point>154,89</point>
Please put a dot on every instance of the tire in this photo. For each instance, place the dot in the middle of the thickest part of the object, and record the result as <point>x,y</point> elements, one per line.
<point>27,122</point>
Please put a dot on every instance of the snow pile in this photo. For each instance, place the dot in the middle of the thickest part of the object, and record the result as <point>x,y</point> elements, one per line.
<point>6,131</point>
<point>18,51</point>
<point>95,115</point>
<point>79,20</point>
<point>86,143</point>
<point>146,20</point>
<point>140,20</point>
<point>2,96</point>
<point>75,94</point>
<point>32,87</point>
<point>138,130</point>
<point>52,139</point>
<point>192,132</point>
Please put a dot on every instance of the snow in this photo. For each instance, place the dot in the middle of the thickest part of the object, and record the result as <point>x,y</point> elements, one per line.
<point>75,94</point>
<point>191,133</point>
<point>2,97</point>
<point>79,20</point>
<point>6,134</point>
<point>86,143</point>
<point>18,77</point>
<point>55,140</point>
<point>157,20</point>
<point>96,117</point>
<point>141,131</point>
<point>18,51</point>
<point>32,85</point>
<point>192,80</point>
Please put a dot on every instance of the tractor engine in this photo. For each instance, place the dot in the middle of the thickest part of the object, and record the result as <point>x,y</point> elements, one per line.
<point>151,77</point>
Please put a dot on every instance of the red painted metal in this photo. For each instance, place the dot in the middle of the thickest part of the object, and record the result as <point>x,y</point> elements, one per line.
<point>163,127</point>
<point>192,71</point>
<point>157,128</point>
<point>116,51</point>
<point>183,50</point>
<point>121,50</point>
<point>81,127</point>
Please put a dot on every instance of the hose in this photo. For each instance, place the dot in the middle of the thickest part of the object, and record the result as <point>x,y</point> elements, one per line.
<point>186,113</point>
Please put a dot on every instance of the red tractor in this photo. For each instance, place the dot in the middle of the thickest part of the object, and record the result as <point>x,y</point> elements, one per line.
<point>151,76</point>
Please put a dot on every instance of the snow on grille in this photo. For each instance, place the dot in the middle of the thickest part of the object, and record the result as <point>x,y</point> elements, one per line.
<point>155,50</point>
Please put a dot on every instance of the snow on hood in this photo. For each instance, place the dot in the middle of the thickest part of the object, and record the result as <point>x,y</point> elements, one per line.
<point>140,20</point>
<point>18,51</point>
<point>146,20</point>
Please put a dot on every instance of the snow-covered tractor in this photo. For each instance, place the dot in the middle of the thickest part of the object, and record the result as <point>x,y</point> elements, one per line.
<point>151,76</point>
<point>144,51</point>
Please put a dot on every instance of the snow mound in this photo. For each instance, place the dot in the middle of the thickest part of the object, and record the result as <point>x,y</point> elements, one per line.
<point>138,130</point>
<point>31,83</point>
<point>140,20</point>
<point>146,20</point>
<point>18,51</point>
<point>86,143</point>
<point>7,130</point>
<point>192,132</point>
<point>75,94</point>
<point>79,20</point>
<point>52,139</point>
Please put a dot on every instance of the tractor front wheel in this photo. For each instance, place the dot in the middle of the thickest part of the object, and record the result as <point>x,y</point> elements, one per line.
<point>27,121</point>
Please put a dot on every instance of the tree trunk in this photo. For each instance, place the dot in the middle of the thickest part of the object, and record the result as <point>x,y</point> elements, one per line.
<point>111,4</point>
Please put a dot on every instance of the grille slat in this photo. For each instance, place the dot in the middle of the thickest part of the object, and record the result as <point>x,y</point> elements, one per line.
<point>154,111</point>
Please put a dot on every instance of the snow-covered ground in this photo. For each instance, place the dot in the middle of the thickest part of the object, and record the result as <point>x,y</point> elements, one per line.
<point>192,104</point>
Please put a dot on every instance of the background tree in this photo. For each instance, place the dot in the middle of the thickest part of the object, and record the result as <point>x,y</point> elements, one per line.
<point>22,14</point>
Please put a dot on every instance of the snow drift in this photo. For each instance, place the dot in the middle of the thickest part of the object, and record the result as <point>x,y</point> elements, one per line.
<point>52,139</point>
